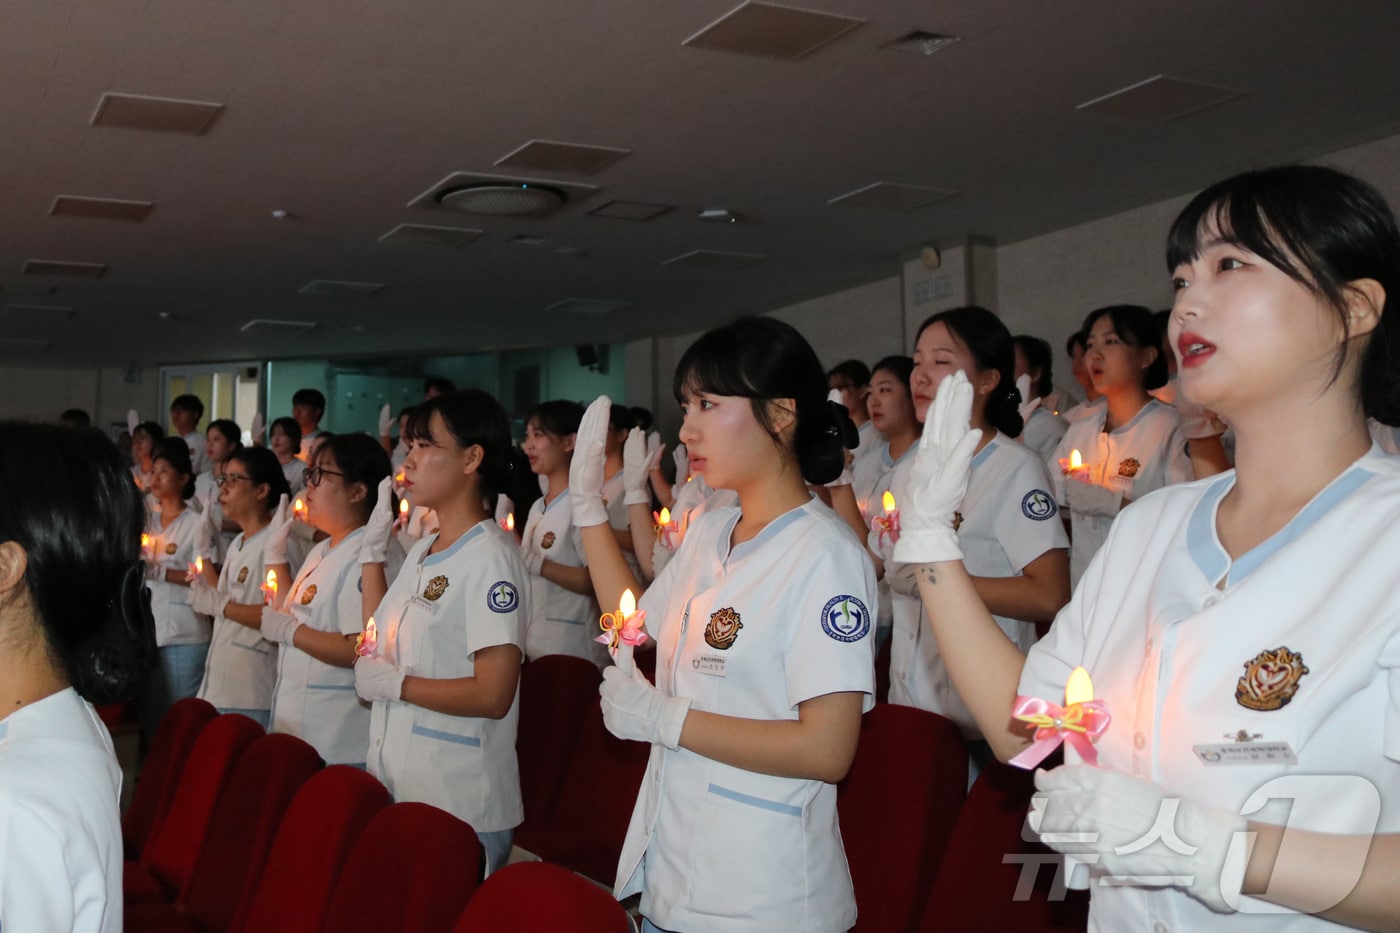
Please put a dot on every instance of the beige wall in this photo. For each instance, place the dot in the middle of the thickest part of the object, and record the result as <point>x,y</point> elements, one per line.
<point>105,393</point>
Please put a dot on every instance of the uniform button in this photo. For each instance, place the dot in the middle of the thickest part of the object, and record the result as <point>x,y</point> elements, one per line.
<point>1150,645</point>
<point>1139,740</point>
<point>1211,601</point>
<point>1160,927</point>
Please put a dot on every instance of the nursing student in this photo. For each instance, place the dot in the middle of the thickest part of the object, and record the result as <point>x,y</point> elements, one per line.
<point>76,629</point>
<point>241,668</point>
<point>1129,445</point>
<point>1250,617</point>
<point>444,671</point>
<point>1009,526</point>
<point>175,533</point>
<point>763,623</point>
<point>221,438</point>
<point>342,580</point>
<point>563,614</point>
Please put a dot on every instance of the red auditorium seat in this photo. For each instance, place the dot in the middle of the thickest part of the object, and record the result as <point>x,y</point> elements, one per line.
<point>976,890</point>
<point>245,820</point>
<point>555,693</point>
<point>160,773</point>
<point>411,871</point>
<point>898,806</point>
<point>586,831</point>
<point>321,826</point>
<point>171,851</point>
<point>541,896</point>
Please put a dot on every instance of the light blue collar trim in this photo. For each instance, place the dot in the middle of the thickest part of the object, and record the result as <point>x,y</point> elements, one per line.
<point>739,551</point>
<point>472,532</point>
<point>557,499</point>
<point>984,453</point>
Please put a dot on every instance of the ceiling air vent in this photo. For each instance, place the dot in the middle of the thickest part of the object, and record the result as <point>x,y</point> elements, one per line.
<point>81,270</point>
<point>274,328</point>
<point>66,205</point>
<point>921,42</point>
<point>330,288</point>
<point>1159,99</point>
<point>546,155</point>
<point>715,259</point>
<point>588,306</point>
<point>166,114</point>
<point>890,196</point>
<point>36,314</point>
<point>772,31</point>
<point>428,235</point>
<point>629,210</point>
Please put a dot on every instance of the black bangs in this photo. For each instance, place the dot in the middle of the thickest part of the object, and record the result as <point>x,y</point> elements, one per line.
<point>417,427</point>
<point>1254,212</point>
<point>715,365</point>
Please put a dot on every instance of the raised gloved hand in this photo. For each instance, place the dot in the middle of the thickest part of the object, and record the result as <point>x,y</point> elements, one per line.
<point>375,543</point>
<point>938,477</point>
<point>278,627</point>
<point>207,600</point>
<point>681,456</point>
<point>634,709</point>
<point>255,431</point>
<point>636,464</point>
<point>278,529</point>
<point>586,467</point>
<point>654,450</point>
<point>377,679</point>
<point>132,421</point>
<point>1027,404</point>
<point>1132,829</point>
<point>386,420</point>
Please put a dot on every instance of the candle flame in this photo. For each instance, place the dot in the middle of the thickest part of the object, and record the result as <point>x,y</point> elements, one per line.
<point>887,500</point>
<point>1079,688</point>
<point>403,507</point>
<point>1075,461</point>
<point>272,580</point>
<point>199,565</point>
<point>299,507</point>
<point>510,521</point>
<point>627,605</point>
<point>399,477</point>
<point>665,515</point>
<point>145,540</point>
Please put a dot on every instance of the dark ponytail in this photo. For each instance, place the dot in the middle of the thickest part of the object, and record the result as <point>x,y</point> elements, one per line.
<point>475,418</point>
<point>762,358</point>
<point>79,521</point>
<point>991,347</point>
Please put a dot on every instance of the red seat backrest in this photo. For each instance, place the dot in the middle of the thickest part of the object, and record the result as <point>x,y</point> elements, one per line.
<point>318,831</point>
<point>555,692</point>
<point>541,896</point>
<point>160,772</point>
<point>411,871</point>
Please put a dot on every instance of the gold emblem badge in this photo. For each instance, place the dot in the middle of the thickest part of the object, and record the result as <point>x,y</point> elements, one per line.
<point>722,628</point>
<point>547,541</point>
<point>1270,680</point>
<point>435,588</point>
<point>1129,467</point>
<point>309,595</point>
<point>242,574</point>
<point>171,548</point>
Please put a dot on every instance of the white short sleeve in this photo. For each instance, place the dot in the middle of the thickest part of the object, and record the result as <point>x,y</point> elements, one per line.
<point>836,604</point>
<point>36,892</point>
<point>497,612</point>
<point>1028,522</point>
<point>1390,660</point>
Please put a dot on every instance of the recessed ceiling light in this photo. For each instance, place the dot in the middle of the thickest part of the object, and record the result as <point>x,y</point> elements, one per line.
<point>167,114</point>
<point>771,30</point>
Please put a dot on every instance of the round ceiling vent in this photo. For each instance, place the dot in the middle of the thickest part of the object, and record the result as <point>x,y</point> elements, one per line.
<point>502,199</point>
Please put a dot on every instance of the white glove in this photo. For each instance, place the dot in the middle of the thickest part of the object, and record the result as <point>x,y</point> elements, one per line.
<point>682,458</point>
<point>1027,404</point>
<point>207,546</point>
<point>275,550</point>
<point>634,709</point>
<point>938,477</point>
<point>1091,499</point>
<point>277,626</point>
<point>654,449</point>
<point>375,544</point>
<point>154,570</point>
<point>132,420</point>
<point>377,679</point>
<point>386,420</point>
<point>1132,829</point>
<point>586,467</point>
<point>256,431</point>
<point>206,600</point>
<point>636,463</point>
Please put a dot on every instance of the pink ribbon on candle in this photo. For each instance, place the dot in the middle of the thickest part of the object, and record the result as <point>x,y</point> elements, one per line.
<point>1078,724</point>
<point>616,628</point>
<point>886,526</point>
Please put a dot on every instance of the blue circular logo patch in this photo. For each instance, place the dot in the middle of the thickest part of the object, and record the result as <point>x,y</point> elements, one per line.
<point>502,597</point>
<point>845,618</point>
<point>1038,505</point>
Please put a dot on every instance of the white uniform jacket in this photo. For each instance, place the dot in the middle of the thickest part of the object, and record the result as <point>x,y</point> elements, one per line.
<point>60,834</point>
<point>172,548</point>
<point>560,621</point>
<point>241,666</point>
<point>442,609</point>
<point>1199,658</point>
<point>750,631</point>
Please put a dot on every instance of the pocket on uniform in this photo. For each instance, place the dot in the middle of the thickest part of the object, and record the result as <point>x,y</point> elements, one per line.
<point>750,847</point>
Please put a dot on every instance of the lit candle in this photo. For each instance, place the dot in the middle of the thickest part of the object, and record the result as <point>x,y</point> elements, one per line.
<point>508,523</point>
<point>887,524</point>
<point>199,565</point>
<point>665,528</point>
<point>145,546</point>
<point>269,588</point>
<point>1078,724</point>
<point>625,625</point>
<point>1075,461</point>
<point>368,640</point>
<point>299,509</point>
<point>402,520</point>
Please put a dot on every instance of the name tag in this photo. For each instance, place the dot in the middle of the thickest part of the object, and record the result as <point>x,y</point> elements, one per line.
<point>712,664</point>
<point>1246,753</point>
<point>422,605</point>
<point>1120,483</point>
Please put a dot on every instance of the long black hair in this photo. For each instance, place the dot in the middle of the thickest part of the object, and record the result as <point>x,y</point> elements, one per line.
<point>79,521</point>
<point>762,358</point>
<point>476,418</point>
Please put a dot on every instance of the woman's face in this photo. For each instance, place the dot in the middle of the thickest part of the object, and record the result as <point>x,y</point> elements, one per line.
<point>726,443</point>
<point>546,452</point>
<point>436,467</point>
<point>140,446</point>
<point>281,443</point>
<point>238,496</point>
<point>1245,332</point>
<point>940,353</point>
<point>216,445</point>
<point>891,406</point>
<point>166,481</point>
<point>1113,364</point>
<point>332,504</point>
